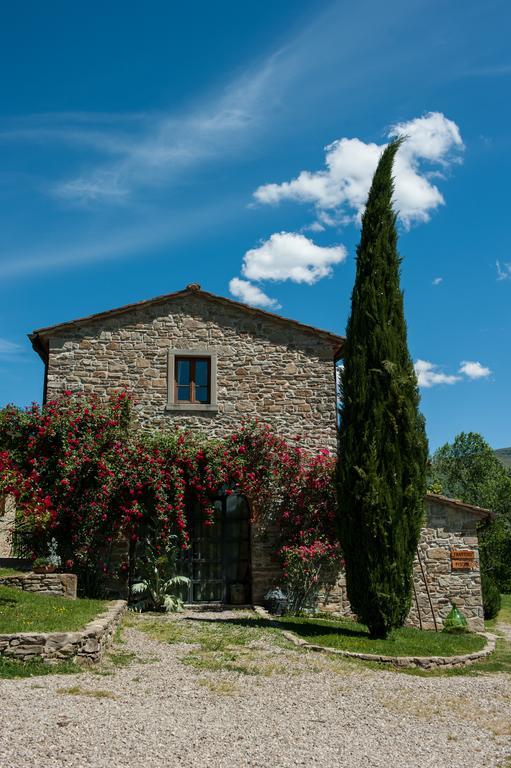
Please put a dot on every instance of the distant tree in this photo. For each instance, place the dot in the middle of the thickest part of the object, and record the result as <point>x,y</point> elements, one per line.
<point>383,447</point>
<point>468,469</point>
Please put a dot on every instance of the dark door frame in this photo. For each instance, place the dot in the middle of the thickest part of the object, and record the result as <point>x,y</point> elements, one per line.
<point>224,559</point>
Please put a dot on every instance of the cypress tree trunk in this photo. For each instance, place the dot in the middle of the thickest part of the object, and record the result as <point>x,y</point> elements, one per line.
<point>383,446</point>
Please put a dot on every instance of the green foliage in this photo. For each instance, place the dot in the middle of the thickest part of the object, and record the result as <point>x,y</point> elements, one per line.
<point>83,480</point>
<point>491,595</point>
<point>468,469</point>
<point>11,669</point>
<point>157,588</point>
<point>308,568</point>
<point>383,448</point>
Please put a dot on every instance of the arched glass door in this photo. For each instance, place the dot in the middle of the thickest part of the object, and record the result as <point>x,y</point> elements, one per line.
<point>218,561</point>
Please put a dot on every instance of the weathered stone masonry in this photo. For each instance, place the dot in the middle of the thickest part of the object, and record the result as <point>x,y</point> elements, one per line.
<point>86,646</point>
<point>450,526</point>
<point>274,370</point>
<point>54,584</point>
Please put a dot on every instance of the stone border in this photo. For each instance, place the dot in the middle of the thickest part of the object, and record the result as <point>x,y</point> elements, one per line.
<point>54,584</point>
<point>85,646</point>
<point>421,662</point>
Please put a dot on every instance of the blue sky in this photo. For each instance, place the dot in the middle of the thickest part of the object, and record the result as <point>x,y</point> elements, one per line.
<point>143,147</point>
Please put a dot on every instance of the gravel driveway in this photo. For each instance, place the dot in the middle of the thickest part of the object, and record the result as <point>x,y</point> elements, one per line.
<point>302,710</point>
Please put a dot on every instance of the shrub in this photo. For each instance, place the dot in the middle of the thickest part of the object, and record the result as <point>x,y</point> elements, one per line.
<point>84,478</point>
<point>491,595</point>
<point>308,567</point>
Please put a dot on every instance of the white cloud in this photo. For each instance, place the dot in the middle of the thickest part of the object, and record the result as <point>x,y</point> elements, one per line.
<point>339,193</point>
<point>428,374</point>
<point>438,280</point>
<point>291,256</point>
<point>251,294</point>
<point>503,271</point>
<point>474,369</point>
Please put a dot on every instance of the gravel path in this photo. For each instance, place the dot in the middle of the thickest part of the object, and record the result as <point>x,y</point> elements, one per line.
<point>312,711</point>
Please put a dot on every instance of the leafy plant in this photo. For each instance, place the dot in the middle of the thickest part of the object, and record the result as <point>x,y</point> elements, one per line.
<point>491,595</point>
<point>157,587</point>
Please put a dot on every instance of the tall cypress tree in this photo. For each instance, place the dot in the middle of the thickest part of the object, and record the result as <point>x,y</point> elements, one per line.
<point>383,447</point>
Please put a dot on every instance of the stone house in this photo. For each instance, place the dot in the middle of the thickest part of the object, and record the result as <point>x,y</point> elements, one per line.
<point>201,361</point>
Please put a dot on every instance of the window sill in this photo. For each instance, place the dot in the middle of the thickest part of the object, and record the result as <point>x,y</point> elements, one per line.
<point>192,407</point>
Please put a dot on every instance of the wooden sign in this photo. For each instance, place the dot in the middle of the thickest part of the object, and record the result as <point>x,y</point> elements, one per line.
<point>462,559</point>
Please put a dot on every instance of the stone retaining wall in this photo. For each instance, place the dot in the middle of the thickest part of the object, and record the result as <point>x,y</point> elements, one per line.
<point>54,584</point>
<point>86,646</point>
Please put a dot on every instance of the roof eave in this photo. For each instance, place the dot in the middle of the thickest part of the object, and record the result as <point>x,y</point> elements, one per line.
<point>461,505</point>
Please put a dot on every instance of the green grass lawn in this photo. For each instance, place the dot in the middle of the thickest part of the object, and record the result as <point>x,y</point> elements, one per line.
<point>29,612</point>
<point>4,572</point>
<point>10,669</point>
<point>347,635</point>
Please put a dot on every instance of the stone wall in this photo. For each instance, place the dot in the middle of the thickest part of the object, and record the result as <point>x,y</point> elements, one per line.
<point>84,647</point>
<point>7,517</point>
<point>267,369</point>
<point>448,527</point>
<point>54,584</point>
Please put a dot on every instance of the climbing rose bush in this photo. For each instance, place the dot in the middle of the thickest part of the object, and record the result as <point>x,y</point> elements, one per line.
<point>84,477</point>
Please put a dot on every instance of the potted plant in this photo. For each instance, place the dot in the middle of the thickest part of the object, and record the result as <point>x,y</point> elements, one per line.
<point>43,565</point>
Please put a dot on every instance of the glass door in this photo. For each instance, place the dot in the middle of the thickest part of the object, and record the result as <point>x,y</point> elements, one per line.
<point>218,560</point>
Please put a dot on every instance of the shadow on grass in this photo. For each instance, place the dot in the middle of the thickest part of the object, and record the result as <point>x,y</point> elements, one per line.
<point>8,602</point>
<point>292,624</point>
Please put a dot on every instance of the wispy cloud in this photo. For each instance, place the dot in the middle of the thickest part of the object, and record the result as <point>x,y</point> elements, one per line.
<point>438,280</point>
<point>9,350</point>
<point>503,270</point>
<point>110,244</point>
<point>145,150</point>
<point>492,70</point>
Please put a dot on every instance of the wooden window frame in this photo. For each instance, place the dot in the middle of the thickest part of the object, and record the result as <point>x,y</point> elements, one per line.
<point>193,364</point>
<point>185,405</point>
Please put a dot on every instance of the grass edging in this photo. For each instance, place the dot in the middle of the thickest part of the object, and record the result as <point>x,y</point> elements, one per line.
<point>85,646</point>
<point>422,662</point>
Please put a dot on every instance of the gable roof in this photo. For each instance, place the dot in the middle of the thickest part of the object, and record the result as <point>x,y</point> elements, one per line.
<point>460,505</point>
<point>40,337</point>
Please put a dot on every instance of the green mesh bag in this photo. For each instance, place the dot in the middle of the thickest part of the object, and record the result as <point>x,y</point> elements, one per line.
<point>455,621</point>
